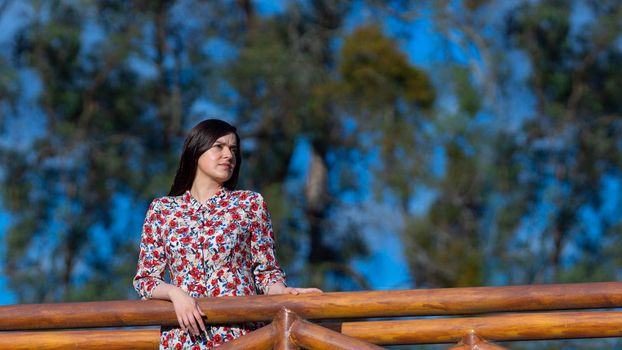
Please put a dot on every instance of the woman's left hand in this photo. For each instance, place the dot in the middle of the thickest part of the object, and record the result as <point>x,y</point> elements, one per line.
<point>280,288</point>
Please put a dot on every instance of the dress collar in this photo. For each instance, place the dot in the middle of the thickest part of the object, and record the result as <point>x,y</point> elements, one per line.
<point>220,194</point>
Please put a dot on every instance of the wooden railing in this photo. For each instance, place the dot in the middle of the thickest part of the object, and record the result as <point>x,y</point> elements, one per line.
<point>469,317</point>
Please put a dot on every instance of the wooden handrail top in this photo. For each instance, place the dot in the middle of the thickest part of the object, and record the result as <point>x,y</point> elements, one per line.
<point>340,305</point>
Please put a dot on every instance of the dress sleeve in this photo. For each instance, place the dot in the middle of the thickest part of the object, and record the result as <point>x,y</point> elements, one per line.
<point>265,268</point>
<point>151,259</point>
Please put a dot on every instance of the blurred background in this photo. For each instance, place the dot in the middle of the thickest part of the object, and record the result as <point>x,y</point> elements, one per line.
<point>399,144</point>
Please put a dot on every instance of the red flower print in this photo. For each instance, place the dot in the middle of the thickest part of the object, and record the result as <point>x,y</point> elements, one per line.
<point>194,272</point>
<point>201,289</point>
<point>220,239</point>
<point>216,292</point>
<point>149,240</point>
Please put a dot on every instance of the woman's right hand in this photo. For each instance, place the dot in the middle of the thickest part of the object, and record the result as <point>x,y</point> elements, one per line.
<point>189,315</point>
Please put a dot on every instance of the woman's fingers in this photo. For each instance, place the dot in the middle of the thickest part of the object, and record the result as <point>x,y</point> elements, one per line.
<point>181,323</point>
<point>192,322</point>
<point>197,316</point>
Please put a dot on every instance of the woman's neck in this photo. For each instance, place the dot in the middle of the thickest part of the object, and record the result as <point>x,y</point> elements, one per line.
<point>202,192</point>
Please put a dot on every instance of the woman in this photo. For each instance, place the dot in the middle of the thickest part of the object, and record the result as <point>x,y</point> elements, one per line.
<point>213,239</point>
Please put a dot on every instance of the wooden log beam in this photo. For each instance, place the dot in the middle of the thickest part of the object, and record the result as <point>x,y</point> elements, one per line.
<point>340,305</point>
<point>311,336</point>
<point>505,327</point>
<point>262,339</point>
<point>121,339</point>
<point>87,314</point>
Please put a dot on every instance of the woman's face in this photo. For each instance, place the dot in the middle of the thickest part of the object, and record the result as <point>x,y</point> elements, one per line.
<point>217,163</point>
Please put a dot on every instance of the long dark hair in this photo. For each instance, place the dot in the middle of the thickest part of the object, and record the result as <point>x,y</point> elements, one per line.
<point>200,139</point>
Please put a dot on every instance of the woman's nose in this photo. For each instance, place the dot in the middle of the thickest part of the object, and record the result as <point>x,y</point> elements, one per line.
<point>227,153</point>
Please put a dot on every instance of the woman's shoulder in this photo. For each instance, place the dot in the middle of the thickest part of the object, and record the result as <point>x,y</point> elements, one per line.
<point>167,202</point>
<point>246,195</point>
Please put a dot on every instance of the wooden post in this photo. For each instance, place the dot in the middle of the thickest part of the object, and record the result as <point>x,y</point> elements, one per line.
<point>282,324</point>
<point>472,342</point>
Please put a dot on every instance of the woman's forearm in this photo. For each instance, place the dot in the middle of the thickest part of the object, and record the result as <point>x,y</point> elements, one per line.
<point>277,288</point>
<point>165,291</point>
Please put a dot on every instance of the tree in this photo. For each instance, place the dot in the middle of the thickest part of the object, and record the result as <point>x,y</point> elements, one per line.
<point>570,150</point>
<point>107,133</point>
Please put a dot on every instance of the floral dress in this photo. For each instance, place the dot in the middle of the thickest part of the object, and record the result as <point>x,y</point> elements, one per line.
<point>222,247</point>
